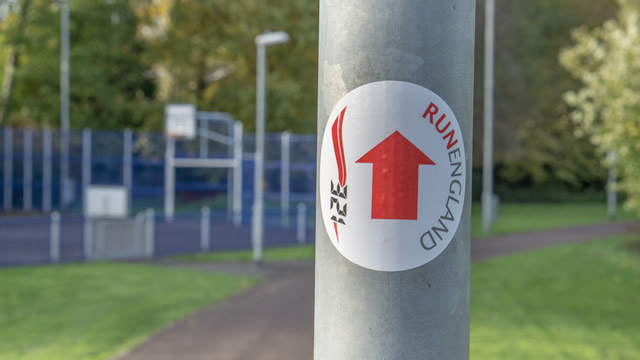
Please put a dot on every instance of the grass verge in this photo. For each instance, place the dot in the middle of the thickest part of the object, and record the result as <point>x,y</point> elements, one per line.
<point>565,302</point>
<point>520,217</point>
<point>94,311</point>
<point>304,252</point>
<point>577,301</point>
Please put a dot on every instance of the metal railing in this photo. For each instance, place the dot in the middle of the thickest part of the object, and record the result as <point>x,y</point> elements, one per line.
<point>40,213</point>
<point>31,171</point>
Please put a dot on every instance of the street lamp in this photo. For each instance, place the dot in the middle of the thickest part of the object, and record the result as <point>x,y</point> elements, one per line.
<point>64,101</point>
<point>257,227</point>
<point>488,202</point>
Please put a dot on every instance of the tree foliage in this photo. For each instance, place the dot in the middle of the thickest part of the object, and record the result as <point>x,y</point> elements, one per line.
<point>13,50</point>
<point>207,56</point>
<point>606,108</point>
<point>130,57</point>
<point>534,141</point>
<point>108,83</point>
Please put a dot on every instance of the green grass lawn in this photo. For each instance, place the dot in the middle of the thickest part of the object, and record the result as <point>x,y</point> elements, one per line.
<point>303,252</point>
<point>578,301</point>
<point>518,217</point>
<point>94,311</point>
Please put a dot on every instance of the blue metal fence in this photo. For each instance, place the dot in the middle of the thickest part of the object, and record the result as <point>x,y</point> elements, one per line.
<point>31,187</point>
<point>195,187</point>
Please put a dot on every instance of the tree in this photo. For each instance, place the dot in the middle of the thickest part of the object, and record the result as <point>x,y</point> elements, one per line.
<point>533,135</point>
<point>207,56</point>
<point>110,86</point>
<point>14,41</point>
<point>606,108</point>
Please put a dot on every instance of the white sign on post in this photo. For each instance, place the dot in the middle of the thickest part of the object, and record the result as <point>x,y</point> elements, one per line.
<point>180,121</point>
<point>392,176</point>
<point>106,202</point>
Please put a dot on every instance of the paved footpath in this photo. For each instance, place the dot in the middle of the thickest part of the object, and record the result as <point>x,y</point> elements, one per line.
<point>274,320</point>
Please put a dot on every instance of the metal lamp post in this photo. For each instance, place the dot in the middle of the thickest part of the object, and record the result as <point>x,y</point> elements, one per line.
<point>422,312</point>
<point>262,41</point>
<point>612,200</point>
<point>64,98</point>
<point>487,163</point>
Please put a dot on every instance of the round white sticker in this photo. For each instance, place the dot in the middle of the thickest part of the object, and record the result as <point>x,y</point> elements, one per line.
<point>392,176</point>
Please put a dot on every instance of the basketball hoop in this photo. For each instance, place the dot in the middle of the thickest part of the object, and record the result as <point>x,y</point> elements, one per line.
<point>180,121</point>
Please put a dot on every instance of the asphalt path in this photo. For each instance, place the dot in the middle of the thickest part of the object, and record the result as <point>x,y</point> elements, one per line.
<point>271,321</point>
<point>274,320</point>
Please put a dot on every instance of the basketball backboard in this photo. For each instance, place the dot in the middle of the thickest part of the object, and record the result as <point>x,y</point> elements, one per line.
<point>180,121</point>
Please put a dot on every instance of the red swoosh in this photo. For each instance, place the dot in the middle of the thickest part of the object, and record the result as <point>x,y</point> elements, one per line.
<point>338,148</point>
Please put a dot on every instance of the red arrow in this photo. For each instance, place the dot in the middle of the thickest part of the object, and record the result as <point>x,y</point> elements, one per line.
<point>396,163</point>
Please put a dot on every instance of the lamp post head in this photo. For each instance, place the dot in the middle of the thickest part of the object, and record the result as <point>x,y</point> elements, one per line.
<point>272,38</point>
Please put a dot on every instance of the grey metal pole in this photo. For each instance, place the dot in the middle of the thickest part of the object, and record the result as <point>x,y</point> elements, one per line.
<point>231,172</point>
<point>88,239</point>
<point>150,231</point>
<point>64,100</point>
<point>237,174</point>
<point>54,237</point>
<point>47,144</point>
<point>27,170</point>
<point>100,243</point>
<point>257,227</point>
<point>421,313</point>
<point>8,168</point>
<point>86,160</point>
<point>205,223</point>
<point>285,175</point>
<point>301,223</point>
<point>169,178</point>
<point>127,164</point>
<point>487,154</point>
<point>612,200</point>
<point>203,150</point>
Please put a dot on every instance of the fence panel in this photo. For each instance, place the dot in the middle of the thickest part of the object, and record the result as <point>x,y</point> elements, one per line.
<point>195,187</point>
<point>25,240</point>
<point>148,171</point>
